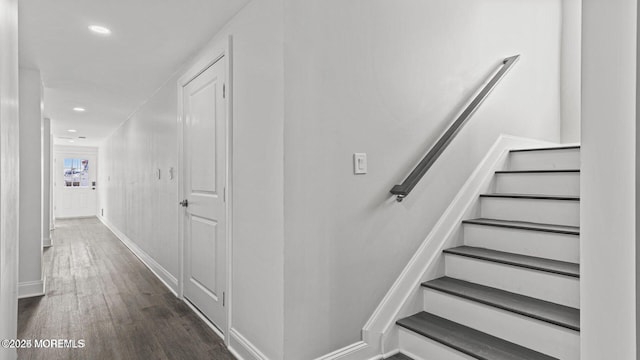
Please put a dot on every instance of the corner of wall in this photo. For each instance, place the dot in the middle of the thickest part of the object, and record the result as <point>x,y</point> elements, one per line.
<point>34,288</point>
<point>570,79</point>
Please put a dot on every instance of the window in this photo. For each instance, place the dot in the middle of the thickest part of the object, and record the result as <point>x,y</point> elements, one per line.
<point>76,173</point>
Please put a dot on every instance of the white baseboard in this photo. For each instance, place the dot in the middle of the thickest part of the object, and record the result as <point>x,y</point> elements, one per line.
<point>46,242</point>
<point>242,348</point>
<point>75,217</point>
<point>378,332</point>
<point>170,281</point>
<point>29,289</point>
<point>356,351</point>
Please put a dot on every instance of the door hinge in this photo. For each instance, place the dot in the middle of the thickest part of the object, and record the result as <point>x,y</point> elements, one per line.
<point>223,298</point>
<point>224,194</point>
<point>224,91</point>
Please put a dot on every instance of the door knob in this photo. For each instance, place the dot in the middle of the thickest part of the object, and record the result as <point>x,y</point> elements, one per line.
<point>184,203</point>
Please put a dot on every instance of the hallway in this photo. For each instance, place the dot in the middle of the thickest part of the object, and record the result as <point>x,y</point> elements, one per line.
<point>97,290</point>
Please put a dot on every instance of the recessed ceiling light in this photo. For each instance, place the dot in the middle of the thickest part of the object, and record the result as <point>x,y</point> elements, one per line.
<point>100,29</point>
<point>72,130</point>
<point>79,109</point>
<point>71,141</point>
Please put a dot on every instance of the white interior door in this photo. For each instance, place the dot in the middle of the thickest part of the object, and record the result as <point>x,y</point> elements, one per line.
<point>75,185</point>
<point>205,177</point>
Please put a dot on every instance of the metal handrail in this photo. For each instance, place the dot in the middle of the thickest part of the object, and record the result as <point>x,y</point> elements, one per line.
<point>402,190</point>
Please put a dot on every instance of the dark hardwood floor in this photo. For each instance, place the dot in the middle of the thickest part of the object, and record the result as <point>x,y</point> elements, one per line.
<point>97,290</point>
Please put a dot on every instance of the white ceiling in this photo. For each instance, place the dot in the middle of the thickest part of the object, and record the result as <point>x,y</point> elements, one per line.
<point>111,76</point>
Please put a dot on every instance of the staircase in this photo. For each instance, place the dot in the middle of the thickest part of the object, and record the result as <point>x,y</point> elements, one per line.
<point>512,291</point>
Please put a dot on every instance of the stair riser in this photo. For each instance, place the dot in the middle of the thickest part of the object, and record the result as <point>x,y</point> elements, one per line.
<point>539,183</point>
<point>422,348</point>
<point>533,334</point>
<point>548,245</point>
<point>558,212</point>
<point>545,160</point>
<point>559,289</point>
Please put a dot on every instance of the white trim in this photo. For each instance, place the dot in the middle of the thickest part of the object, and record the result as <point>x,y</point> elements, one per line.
<point>395,352</point>
<point>160,272</point>
<point>378,332</point>
<point>356,351</point>
<point>29,289</point>
<point>222,49</point>
<point>46,242</point>
<point>230,187</point>
<point>242,348</point>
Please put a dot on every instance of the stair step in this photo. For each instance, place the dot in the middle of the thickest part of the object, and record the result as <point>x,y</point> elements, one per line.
<point>472,342</point>
<point>549,182</point>
<point>399,356</point>
<point>558,210</point>
<point>530,262</point>
<point>551,148</point>
<point>523,225</point>
<point>546,241</point>
<point>532,196</point>
<point>552,158</point>
<point>560,315</point>
<point>548,171</point>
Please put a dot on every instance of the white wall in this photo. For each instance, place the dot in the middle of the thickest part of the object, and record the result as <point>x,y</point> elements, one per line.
<point>608,180</point>
<point>46,182</point>
<point>146,210</point>
<point>386,78</point>
<point>570,69</point>
<point>132,199</point>
<point>258,175</point>
<point>9,173</point>
<point>30,273</point>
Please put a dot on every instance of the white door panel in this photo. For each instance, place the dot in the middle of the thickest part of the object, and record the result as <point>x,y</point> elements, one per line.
<point>74,178</point>
<point>204,115</point>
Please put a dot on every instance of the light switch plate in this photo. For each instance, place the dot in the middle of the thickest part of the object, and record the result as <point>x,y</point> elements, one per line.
<point>359,163</point>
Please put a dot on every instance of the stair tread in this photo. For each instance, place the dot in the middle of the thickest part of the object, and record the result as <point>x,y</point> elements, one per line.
<point>467,340</point>
<point>552,171</point>
<point>524,225</point>
<point>530,262</point>
<point>560,315</point>
<point>532,196</point>
<point>550,148</point>
<point>399,356</point>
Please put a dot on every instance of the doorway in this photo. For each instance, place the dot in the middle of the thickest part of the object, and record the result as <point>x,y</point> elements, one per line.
<point>204,183</point>
<point>74,175</point>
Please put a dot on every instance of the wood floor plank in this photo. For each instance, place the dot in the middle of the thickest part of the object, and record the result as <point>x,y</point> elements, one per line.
<point>97,290</point>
